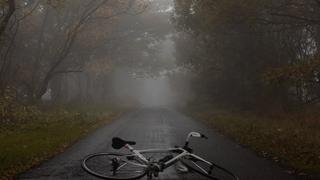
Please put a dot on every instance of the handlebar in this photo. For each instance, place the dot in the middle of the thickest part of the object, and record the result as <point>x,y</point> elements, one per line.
<point>194,134</point>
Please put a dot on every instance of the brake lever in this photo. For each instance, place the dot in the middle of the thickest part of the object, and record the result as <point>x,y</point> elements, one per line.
<point>204,136</point>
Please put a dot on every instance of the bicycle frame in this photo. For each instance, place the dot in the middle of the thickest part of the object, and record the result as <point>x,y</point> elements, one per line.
<point>151,166</point>
<point>146,162</point>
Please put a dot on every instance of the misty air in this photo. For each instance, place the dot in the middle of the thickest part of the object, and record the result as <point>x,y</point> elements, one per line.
<point>160,89</point>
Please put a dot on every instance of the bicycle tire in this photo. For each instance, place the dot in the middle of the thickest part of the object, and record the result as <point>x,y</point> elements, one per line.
<point>217,172</point>
<point>102,160</point>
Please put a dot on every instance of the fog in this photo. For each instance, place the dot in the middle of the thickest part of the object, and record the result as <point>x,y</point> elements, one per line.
<point>134,68</point>
<point>143,92</point>
<point>157,53</point>
<point>151,90</point>
<point>146,83</point>
<point>249,68</point>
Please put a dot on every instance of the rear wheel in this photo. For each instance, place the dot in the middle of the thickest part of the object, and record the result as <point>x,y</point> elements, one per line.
<point>113,166</point>
<point>211,171</point>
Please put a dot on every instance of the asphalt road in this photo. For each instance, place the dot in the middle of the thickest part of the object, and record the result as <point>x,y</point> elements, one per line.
<point>155,128</point>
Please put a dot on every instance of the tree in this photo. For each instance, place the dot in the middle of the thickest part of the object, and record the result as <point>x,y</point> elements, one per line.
<point>237,42</point>
<point>8,8</point>
<point>50,31</point>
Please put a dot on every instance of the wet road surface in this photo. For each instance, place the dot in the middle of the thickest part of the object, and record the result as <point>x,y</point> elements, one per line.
<point>160,128</point>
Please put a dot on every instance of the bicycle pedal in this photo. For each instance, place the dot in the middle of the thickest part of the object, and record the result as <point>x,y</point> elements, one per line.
<point>181,168</point>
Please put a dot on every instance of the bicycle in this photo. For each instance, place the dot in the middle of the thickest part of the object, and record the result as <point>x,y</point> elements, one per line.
<point>136,164</point>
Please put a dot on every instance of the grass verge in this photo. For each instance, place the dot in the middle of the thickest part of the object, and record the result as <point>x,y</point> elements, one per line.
<point>27,144</point>
<point>291,140</point>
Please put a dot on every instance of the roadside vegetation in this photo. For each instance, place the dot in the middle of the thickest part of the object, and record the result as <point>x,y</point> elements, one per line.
<point>258,63</point>
<point>259,60</point>
<point>293,140</point>
<point>30,134</point>
<point>60,64</point>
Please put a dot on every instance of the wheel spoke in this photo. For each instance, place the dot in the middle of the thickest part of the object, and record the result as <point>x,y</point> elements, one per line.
<point>208,169</point>
<point>200,167</point>
<point>112,166</point>
<point>121,166</point>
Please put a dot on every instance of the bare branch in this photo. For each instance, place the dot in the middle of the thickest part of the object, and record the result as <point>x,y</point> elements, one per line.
<point>11,10</point>
<point>300,18</point>
<point>30,12</point>
<point>68,71</point>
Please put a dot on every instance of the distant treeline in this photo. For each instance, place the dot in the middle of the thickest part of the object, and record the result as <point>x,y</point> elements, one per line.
<point>252,53</point>
<point>68,51</point>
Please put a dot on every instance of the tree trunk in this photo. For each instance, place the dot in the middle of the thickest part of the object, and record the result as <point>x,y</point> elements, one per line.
<point>4,23</point>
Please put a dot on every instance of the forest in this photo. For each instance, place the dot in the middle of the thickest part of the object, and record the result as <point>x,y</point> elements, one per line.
<point>274,45</point>
<point>252,54</point>
<point>249,68</point>
<point>257,68</point>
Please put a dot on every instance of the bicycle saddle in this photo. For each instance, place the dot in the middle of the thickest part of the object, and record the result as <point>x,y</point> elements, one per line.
<point>118,143</point>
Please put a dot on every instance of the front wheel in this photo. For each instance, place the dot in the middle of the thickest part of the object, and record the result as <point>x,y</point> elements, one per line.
<point>113,166</point>
<point>208,169</point>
